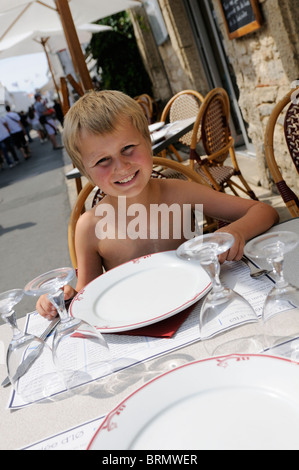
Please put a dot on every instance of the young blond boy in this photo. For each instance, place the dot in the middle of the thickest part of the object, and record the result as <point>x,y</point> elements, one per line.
<point>107,138</point>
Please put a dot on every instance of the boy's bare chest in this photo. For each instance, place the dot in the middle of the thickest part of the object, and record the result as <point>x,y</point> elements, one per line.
<point>139,230</point>
<point>115,252</point>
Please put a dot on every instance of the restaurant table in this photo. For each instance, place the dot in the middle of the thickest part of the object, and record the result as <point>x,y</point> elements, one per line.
<point>33,424</point>
<point>178,129</point>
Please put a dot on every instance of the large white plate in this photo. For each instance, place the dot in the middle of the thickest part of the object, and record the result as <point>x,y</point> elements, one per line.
<point>141,292</point>
<point>229,402</point>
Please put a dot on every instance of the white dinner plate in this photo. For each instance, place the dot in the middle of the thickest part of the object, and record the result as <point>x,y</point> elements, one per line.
<point>229,402</point>
<point>141,292</point>
<point>156,126</point>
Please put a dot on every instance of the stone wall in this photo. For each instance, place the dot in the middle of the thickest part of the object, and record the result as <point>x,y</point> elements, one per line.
<point>150,54</point>
<point>174,65</point>
<point>180,53</point>
<point>265,64</point>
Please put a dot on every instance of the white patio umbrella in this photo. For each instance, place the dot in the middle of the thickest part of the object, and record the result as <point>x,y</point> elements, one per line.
<point>48,41</point>
<point>20,17</point>
<point>32,42</point>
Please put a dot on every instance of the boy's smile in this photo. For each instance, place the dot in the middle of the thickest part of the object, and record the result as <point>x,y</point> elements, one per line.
<point>120,162</point>
<point>128,179</point>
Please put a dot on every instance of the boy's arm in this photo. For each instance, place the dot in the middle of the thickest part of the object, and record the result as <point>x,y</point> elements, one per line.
<point>257,219</point>
<point>89,262</point>
<point>247,218</point>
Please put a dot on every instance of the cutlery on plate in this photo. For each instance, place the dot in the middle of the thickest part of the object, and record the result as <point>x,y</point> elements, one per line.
<point>24,366</point>
<point>255,273</point>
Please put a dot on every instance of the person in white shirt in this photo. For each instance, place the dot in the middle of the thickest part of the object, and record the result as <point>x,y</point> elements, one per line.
<point>6,145</point>
<point>46,120</point>
<point>36,125</point>
<point>13,121</point>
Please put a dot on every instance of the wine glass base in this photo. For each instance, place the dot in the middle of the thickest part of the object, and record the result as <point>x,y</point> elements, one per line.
<point>30,368</point>
<point>80,353</point>
<point>40,388</point>
<point>78,378</point>
<point>224,313</point>
<point>281,300</point>
<point>280,327</point>
<point>241,346</point>
<point>244,339</point>
<point>287,349</point>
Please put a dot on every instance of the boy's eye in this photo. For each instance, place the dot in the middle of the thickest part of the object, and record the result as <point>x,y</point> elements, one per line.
<point>128,148</point>
<point>103,161</point>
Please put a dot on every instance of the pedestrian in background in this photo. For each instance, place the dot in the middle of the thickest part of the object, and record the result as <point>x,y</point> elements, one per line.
<point>13,121</point>
<point>45,118</point>
<point>36,125</point>
<point>6,145</point>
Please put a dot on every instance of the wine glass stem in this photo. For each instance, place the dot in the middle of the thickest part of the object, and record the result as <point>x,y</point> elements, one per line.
<point>11,319</point>
<point>213,269</point>
<point>57,300</point>
<point>277,265</point>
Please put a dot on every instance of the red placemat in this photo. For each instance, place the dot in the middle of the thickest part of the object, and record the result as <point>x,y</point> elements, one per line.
<point>162,329</point>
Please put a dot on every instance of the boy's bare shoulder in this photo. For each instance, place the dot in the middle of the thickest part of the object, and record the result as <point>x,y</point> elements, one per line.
<point>87,221</point>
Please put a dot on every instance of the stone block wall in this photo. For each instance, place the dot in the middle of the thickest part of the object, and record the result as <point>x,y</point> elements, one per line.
<point>264,62</point>
<point>174,65</point>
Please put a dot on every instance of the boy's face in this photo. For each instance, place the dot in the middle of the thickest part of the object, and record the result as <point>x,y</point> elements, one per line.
<point>119,163</point>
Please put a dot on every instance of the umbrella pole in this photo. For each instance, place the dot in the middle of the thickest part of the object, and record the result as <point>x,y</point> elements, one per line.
<point>74,43</point>
<point>43,43</point>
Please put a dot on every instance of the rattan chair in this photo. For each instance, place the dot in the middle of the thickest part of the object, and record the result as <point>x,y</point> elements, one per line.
<point>75,214</point>
<point>183,105</point>
<point>212,124</point>
<point>291,132</point>
<point>162,168</point>
<point>148,106</point>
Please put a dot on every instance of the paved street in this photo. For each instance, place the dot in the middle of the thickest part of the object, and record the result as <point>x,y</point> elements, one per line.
<point>34,213</point>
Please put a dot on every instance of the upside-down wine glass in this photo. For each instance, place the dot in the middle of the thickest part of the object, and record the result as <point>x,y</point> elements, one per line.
<point>29,359</point>
<point>224,315</point>
<point>80,352</point>
<point>280,313</point>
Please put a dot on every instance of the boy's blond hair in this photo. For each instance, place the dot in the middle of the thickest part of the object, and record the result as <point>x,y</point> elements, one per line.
<point>100,112</point>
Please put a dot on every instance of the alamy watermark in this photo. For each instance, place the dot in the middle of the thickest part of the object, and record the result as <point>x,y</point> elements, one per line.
<point>160,221</point>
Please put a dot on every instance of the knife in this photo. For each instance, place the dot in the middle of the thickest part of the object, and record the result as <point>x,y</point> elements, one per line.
<point>24,366</point>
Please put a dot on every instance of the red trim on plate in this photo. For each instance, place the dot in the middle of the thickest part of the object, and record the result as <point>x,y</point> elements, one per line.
<point>153,320</point>
<point>132,325</point>
<point>221,361</point>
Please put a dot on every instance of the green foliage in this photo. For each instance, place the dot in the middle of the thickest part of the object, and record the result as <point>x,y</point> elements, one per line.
<point>118,59</point>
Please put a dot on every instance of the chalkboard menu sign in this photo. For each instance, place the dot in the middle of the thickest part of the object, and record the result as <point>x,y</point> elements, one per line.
<point>240,16</point>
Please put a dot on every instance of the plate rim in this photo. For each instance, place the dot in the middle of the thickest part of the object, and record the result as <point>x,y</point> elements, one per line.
<point>238,357</point>
<point>164,316</point>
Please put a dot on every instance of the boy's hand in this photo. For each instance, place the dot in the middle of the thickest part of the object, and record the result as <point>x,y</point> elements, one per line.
<point>235,253</point>
<point>46,309</point>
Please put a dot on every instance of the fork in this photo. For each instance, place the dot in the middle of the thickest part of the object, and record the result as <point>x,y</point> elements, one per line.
<point>255,273</point>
